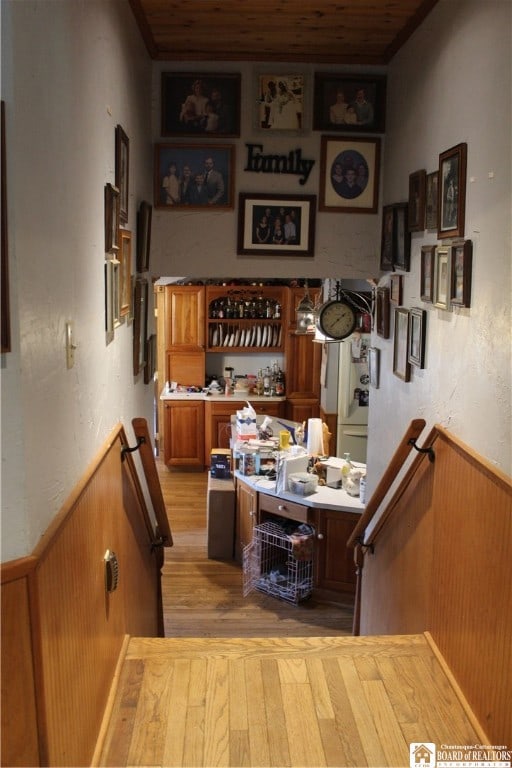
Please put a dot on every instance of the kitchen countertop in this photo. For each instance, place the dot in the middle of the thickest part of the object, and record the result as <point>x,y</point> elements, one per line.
<point>237,397</point>
<point>327,498</point>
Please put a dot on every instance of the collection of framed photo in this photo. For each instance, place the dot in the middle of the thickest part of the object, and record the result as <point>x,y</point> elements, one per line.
<point>436,202</point>
<point>205,107</point>
<point>126,295</point>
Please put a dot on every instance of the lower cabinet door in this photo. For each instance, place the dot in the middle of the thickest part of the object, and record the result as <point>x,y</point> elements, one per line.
<point>246,517</point>
<point>336,569</point>
<point>184,433</point>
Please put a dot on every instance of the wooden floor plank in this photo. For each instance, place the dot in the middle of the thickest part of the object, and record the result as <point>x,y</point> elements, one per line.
<point>304,736</point>
<point>151,721</point>
<point>390,736</point>
<point>216,729</point>
<point>363,717</point>
<point>257,715</point>
<point>279,749</point>
<point>175,736</point>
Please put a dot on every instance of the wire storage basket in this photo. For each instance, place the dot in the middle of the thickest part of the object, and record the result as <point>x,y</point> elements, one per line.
<point>279,563</point>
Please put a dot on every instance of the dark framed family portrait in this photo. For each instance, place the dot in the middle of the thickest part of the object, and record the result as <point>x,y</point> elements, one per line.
<point>280,101</point>
<point>348,102</point>
<point>452,192</point>
<point>194,176</point>
<point>349,174</point>
<point>276,225</point>
<point>200,104</point>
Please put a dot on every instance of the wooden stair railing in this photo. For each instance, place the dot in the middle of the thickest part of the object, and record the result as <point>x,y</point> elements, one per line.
<point>357,539</point>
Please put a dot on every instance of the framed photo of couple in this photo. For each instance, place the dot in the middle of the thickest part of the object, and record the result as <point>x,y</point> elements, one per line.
<point>200,104</point>
<point>348,103</point>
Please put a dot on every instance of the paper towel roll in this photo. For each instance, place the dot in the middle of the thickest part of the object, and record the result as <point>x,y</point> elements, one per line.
<point>315,441</point>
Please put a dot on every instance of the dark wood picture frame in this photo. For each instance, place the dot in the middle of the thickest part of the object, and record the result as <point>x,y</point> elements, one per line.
<point>396,286</point>
<point>200,104</point>
<point>140,324</point>
<point>416,205</point>
<point>452,192</point>
<point>150,364</point>
<point>417,336</point>
<point>111,219</point>
<point>427,272</point>
<point>280,98</point>
<point>431,200</point>
<point>338,105</point>
<point>125,273</point>
<point>387,243</point>
<point>122,172</point>
<point>179,193</point>
<point>5,293</point>
<point>382,312</point>
<point>401,364</point>
<point>395,238</point>
<point>144,218</point>
<point>460,273</point>
<point>349,174</point>
<point>257,235</point>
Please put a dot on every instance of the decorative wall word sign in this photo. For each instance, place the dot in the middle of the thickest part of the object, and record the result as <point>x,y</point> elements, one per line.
<point>292,163</point>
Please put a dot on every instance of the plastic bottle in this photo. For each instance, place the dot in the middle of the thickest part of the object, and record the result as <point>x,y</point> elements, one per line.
<point>345,469</point>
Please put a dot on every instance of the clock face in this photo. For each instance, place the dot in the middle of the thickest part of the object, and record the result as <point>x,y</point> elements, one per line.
<point>337,320</point>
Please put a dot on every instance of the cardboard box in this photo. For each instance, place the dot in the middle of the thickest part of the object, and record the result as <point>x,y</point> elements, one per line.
<point>220,518</point>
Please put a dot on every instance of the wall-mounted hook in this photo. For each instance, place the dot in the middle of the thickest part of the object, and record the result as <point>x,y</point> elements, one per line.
<point>126,449</point>
<point>430,451</point>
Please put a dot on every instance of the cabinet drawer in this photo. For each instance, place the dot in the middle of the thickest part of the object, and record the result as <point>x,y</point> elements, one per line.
<point>283,508</point>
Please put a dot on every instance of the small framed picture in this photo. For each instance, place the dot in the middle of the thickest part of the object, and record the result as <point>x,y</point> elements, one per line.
<point>402,256</point>
<point>417,336</point>
<point>122,171</point>
<point>401,365</point>
<point>125,271</point>
<point>396,289</point>
<point>200,104</point>
<point>111,219</point>
<point>346,102</point>
<point>109,302</point>
<point>276,225</point>
<point>387,238</point>
<point>382,308</point>
<point>416,207</point>
<point>374,366</point>
<point>140,324</point>
<point>194,176</point>
<point>428,257</point>
<point>349,174</point>
<point>431,195</point>
<point>442,277</point>
<point>452,192</point>
<point>461,268</point>
<point>144,216</point>
<point>279,98</point>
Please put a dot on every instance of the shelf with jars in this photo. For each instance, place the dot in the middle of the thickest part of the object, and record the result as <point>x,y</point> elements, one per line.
<point>245,318</point>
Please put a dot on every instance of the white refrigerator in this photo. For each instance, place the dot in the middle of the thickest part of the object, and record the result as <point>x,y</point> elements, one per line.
<point>353,397</point>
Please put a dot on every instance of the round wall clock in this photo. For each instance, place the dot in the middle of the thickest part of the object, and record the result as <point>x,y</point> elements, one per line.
<point>337,319</point>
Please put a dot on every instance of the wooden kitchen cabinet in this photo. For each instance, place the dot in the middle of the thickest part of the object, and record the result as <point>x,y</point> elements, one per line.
<point>184,433</point>
<point>246,517</point>
<point>335,570</point>
<point>303,363</point>
<point>184,309</point>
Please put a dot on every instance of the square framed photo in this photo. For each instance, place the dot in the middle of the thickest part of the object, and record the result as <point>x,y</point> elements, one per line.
<point>348,102</point>
<point>144,217</point>
<point>452,192</point>
<point>194,176</point>
<point>279,96</point>
<point>417,336</point>
<point>125,271</point>
<point>140,324</point>
<point>382,311</point>
<point>200,104</point>
<point>112,201</point>
<point>442,268</point>
<point>460,274</point>
<point>374,366</point>
<point>416,208</point>
<point>396,289</point>
<point>401,365</point>
<point>349,174</point>
<point>428,257</point>
<point>122,171</point>
<point>276,225</point>
<point>431,195</point>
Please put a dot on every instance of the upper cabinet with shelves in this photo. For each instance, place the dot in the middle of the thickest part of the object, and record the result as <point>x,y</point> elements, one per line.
<point>243,318</point>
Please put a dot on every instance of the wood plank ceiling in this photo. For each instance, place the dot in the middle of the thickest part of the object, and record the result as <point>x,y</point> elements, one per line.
<point>367,32</point>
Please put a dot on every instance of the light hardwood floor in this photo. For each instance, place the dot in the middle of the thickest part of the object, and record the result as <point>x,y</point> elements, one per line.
<point>203,597</point>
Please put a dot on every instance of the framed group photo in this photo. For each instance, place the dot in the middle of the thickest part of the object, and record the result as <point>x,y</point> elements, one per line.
<point>194,176</point>
<point>279,97</point>
<point>452,192</point>
<point>349,174</point>
<point>276,225</point>
<point>200,104</point>
<point>347,102</point>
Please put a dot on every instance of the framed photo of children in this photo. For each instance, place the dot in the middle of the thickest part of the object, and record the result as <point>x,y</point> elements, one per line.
<point>452,192</point>
<point>348,103</point>
<point>280,101</point>
<point>200,104</point>
<point>276,225</point>
<point>349,174</point>
<point>194,176</point>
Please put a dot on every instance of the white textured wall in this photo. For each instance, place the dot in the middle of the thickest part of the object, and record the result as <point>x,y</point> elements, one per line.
<point>451,83</point>
<point>70,72</point>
